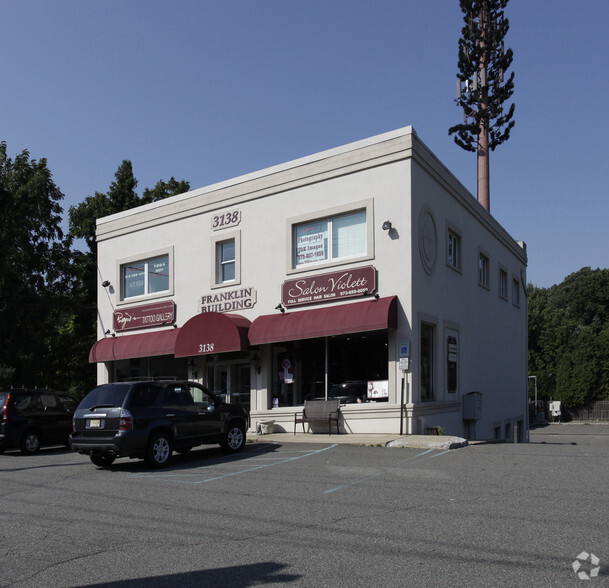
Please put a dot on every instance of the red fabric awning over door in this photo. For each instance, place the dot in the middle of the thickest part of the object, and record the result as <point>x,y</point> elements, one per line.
<point>130,346</point>
<point>371,315</point>
<point>212,332</point>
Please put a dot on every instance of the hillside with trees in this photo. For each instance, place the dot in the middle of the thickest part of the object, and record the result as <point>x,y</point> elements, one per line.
<point>569,338</point>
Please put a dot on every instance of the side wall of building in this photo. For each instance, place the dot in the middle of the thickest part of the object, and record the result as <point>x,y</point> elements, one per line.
<point>483,329</point>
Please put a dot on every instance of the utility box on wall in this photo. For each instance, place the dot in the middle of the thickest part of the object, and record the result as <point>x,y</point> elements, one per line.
<point>472,406</point>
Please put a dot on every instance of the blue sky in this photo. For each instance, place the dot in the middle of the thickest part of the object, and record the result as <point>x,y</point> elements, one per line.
<point>206,90</point>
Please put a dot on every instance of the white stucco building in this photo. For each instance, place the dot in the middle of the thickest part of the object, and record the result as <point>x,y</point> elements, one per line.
<point>368,265</point>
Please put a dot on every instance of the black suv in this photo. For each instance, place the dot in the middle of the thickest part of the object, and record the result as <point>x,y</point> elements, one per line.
<point>149,419</point>
<point>30,418</point>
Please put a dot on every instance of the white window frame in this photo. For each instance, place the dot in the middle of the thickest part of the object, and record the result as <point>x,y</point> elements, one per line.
<point>216,263</point>
<point>454,254</point>
<point>484,269</point>
<point>337,211</point>
<point>502,285</point>
<point>144,258</point>
<point>515,291</point>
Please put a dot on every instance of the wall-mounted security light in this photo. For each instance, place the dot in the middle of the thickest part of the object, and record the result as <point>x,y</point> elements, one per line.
<point>387,226</point>
<point>105,283</point>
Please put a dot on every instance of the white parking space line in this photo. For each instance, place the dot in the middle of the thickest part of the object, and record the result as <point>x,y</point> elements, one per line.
<point>187,478</point>
<point>422,455</point>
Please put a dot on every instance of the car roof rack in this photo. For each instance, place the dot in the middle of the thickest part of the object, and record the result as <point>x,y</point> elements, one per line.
<point>151,379</point>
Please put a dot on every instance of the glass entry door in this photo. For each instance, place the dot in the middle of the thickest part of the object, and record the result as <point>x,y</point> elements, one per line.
<point>230,381</point>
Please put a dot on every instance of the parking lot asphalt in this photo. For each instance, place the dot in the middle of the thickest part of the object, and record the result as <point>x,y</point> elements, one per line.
<point>322,510</point>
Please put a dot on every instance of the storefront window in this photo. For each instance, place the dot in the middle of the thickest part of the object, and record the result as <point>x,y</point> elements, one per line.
<point>150,367</point>
<point>230,380</point>
<point>348,363</point>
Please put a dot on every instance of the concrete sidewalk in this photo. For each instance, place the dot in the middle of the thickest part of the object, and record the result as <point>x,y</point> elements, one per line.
<point>441,442</point>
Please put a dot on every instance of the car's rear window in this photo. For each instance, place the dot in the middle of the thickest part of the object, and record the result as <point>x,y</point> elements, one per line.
<point>145,395</point>
<point>23,401</point>
<point>106,395</point>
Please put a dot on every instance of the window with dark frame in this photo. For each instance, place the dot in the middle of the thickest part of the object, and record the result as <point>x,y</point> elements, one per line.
<point>427,361</point>
<point>451,368</point>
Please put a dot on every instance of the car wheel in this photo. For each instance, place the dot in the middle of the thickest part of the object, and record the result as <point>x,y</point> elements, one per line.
<point>103,461</point>
<point>159,450</point>
<point>30,442</point>
<point>234,438</point>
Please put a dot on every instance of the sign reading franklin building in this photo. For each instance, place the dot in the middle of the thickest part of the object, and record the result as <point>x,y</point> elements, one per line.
<point>229,301</point>
<point>326,287</point>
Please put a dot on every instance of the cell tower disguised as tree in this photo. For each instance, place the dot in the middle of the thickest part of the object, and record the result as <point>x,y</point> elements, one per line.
<point>483,86</point>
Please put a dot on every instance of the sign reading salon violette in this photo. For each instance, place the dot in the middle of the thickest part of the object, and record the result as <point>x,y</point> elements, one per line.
<point>327,287</point>
<point>149,315</point>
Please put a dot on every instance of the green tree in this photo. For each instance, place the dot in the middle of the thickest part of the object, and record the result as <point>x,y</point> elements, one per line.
<point>569,337</point>
<point>483,88</point>
<point>121,196</point>
<point>164,190</point>
<point>34,269</point>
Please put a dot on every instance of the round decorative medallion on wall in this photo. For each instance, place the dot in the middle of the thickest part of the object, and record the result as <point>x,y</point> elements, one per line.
<point>428,240</point>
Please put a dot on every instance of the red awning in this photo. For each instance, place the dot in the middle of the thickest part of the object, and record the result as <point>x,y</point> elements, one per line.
<point>212,332</point>
<point>371,315</point>
<point>129,346</point>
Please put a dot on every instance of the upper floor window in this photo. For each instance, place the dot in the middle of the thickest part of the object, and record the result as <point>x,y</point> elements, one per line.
<point>225,261</point>
<point>503,284</point>
<point>142,278</point>
<point>515,292</point>
<point>483,265</point>
<point>329,239</point>
<point>454,250</point>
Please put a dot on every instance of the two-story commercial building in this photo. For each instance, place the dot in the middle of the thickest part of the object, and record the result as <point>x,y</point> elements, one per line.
<point>366,272</point>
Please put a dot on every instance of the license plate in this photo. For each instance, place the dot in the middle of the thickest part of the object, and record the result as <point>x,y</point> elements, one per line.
<point>94,423</point>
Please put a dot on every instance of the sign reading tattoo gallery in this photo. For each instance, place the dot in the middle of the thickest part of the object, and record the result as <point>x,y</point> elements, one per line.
<point>327,287</point>
<point>149,315</point>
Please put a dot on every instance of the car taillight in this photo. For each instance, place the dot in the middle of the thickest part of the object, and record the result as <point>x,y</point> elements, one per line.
<point>5,408</point>
<point>126,421</point>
